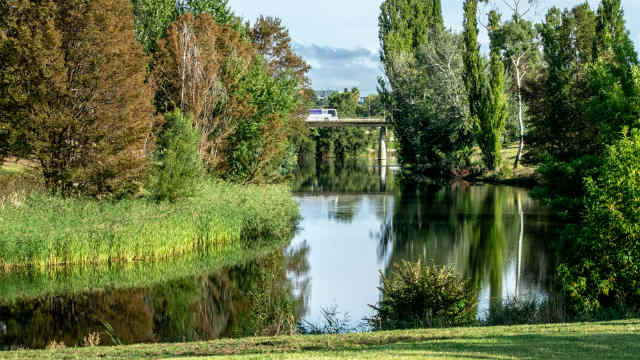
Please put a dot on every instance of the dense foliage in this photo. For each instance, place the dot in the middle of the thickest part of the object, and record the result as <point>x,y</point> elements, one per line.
<point>568,88</point>
<point>588,97</point>
<point>602,269</point>
<point>247,110</point>
<point>417,296</point>
<point>153,17</point>
<point>424,91</point>
<point>487,101</point>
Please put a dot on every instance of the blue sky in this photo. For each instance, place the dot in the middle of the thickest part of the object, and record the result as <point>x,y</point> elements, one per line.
<point>339,38</point>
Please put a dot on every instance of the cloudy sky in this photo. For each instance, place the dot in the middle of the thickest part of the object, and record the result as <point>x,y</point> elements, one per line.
<point>339,38</point>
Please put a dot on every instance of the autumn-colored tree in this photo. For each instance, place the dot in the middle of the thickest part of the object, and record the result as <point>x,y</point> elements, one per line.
<point>77,92</point>
<point>32,65</point>
<point>273,42</point>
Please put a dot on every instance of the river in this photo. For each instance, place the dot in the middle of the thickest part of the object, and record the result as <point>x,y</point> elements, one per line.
<point>357,222</point>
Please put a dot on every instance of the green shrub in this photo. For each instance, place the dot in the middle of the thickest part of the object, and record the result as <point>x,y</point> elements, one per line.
<point>177,164</point>
<point>416,296</point>
<point>602,268</point>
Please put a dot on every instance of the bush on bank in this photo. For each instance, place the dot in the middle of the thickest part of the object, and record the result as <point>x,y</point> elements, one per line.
<point>49,231</point>
<point>417,296</point>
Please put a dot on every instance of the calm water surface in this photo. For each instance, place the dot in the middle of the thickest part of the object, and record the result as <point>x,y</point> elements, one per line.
<point>494,235</point>
<point>357,222</point>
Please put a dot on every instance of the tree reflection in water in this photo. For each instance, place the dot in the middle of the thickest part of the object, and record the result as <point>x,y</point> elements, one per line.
<point>255,298</point>
<point>480,230</point>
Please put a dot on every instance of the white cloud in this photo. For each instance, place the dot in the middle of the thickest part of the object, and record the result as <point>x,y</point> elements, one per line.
<point>337,68</point>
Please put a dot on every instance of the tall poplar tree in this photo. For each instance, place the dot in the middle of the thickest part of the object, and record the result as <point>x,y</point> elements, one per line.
<point>473,75</point>
<point>487,102</point>
<point>404,26</point>
<point>612,38</point>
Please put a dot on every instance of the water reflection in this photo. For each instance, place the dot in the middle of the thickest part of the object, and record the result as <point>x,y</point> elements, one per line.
<point>343,177</point>
<point>255,298</point>
<point>493,235</point>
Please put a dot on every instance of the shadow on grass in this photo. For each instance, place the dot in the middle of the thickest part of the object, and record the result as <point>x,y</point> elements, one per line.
<point>529,346</point>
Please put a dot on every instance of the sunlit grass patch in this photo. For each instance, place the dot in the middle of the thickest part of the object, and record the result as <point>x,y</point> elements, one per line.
<point>46,231</point>
<point>584,341</point>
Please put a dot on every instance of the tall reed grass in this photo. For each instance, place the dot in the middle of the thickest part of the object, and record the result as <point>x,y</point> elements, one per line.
<point>45,231</point>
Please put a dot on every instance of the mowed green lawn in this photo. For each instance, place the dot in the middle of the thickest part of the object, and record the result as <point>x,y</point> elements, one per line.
<point>606,340</point>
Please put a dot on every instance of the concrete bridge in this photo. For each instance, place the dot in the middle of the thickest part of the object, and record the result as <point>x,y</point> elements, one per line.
<point>359,122</point>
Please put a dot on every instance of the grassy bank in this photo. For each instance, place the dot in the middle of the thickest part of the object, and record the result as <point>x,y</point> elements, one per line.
<point>44,231</point>
<point>524,175</point>
<point>609,340</point>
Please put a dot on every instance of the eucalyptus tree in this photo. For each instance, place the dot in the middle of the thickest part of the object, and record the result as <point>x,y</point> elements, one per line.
<point>516,40</point>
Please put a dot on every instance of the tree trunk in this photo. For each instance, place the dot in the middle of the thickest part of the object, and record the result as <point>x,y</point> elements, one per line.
<point>520,121</point>
<point>520,241</point>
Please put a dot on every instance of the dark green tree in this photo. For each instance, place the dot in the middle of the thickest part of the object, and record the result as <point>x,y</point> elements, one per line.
<point>557,126</point>
<point>487,101</point>
<point>177,166</point>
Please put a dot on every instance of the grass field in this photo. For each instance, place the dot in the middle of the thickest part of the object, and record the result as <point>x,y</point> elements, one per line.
<point>44,231</point>
<point>598,341</point>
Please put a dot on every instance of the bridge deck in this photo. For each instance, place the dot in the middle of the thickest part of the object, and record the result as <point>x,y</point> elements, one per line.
<point>362,122</point>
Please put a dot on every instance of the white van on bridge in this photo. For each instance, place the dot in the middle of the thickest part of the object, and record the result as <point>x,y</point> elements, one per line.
<point>323,115</point>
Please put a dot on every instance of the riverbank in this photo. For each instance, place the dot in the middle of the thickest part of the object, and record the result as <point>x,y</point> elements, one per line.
<point>605,340</point>
<point>40,231</point>
<point>523,176</point>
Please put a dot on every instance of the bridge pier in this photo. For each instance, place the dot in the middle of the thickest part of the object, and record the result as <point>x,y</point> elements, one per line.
<point>382,175</point>
<point>382,145</point>
<point>382,158</point>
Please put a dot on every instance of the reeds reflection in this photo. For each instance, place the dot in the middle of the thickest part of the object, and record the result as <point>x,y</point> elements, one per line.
<point>165,305</point>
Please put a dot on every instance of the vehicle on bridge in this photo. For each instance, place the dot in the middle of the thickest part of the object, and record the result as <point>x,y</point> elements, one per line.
<point>323,115</point>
